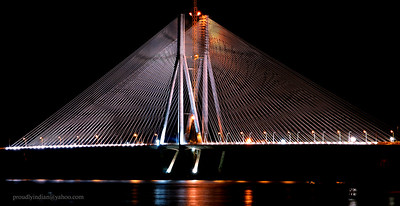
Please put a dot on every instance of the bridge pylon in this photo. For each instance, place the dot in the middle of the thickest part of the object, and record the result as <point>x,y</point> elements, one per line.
<point>182,77</point>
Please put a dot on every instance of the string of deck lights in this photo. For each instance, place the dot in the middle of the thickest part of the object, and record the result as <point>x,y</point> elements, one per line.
<point>267,140</point>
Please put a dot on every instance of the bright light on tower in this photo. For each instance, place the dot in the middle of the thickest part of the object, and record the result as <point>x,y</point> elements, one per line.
<point>392,139</point>
<point>248,140</point>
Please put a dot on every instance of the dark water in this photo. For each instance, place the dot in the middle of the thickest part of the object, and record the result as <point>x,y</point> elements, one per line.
<point>193,192</point>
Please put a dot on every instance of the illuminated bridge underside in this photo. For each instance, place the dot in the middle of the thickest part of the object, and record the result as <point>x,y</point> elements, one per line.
<point>261,102</point>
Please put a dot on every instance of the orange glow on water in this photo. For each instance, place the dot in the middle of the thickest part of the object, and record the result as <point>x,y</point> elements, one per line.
<point>97,180</point>
<point>135,181</point>
<point>288,182</point>
<point>220,181</point>
<point>248,197</point>
<point>195,194</point>
<point>264,182</point>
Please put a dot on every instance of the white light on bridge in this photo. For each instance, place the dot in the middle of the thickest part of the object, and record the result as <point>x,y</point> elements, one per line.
<point>195,170</point>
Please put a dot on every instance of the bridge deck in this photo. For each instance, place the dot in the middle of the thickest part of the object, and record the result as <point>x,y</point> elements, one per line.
<point>199,146</point>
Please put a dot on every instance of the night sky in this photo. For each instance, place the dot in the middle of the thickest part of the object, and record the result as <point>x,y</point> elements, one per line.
<point>51,52</point>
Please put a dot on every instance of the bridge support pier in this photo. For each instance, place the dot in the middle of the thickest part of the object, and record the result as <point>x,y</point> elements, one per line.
<point>171,165</point>
<point>221,162</point>
<point>196,153</point>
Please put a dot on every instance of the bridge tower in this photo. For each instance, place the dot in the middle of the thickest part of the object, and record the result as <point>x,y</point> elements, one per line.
<point>183,72</point>
<point>201,72</point>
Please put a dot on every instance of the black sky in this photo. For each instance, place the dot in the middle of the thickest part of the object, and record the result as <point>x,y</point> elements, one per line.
<point>52,51</point>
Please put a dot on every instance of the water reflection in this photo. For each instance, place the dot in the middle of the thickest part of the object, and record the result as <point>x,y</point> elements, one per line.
<point>352,202</point>
<point>194,195</point>
<point>248,197</point>
<point>221,192</point>
<point>160,195</point>
<point>190,192</point>
<point>197,192</point>
<point>135,196</point>
<point>352,196</point>
<point>392,201</point>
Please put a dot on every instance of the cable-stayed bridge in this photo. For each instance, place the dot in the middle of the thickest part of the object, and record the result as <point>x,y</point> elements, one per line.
<point>202,85</point>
